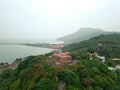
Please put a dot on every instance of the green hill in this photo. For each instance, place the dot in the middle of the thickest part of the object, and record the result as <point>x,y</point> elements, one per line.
<point>105,45</point>
<point>83,34</point>
<point>36,72</point>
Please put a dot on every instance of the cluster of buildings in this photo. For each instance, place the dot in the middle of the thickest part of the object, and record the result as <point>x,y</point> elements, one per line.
<point>96,56</point>
<point>117,67</point>
<point>56,46</point>
<point>63,58</point>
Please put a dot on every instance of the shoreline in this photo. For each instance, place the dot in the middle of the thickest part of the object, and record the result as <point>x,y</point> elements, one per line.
<point>13,65</point>
<point>10,52</point>
<point>45,45</point>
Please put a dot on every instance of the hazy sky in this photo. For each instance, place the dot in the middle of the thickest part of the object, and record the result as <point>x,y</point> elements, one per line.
<point>54,18</point>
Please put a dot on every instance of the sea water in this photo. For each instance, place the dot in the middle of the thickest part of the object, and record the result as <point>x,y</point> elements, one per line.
<point>9,52</point>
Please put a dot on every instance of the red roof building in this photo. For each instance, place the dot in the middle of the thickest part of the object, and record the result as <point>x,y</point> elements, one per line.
<point>62,57</point>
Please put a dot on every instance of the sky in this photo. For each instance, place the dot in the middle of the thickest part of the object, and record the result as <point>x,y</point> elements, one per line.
<point>48,19</point>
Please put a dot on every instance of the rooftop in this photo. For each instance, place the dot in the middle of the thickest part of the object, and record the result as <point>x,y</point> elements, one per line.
<point>64,54</point>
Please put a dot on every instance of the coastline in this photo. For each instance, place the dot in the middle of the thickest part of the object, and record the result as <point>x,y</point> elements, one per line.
<point>13,65</point>
<point>4,65</point>
<point>46,45</point>
<point>10,52</point>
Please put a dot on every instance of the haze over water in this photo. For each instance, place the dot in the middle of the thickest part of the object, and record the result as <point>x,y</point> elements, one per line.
<point>50,19</point>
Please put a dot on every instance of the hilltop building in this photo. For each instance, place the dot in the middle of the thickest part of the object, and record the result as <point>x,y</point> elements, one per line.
<point>96,56</point>
<point>62,58</point>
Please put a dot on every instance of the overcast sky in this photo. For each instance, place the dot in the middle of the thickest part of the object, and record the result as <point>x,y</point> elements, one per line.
<point>55,18</point>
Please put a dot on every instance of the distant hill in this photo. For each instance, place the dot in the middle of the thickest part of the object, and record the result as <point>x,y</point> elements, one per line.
<point>83,34</point>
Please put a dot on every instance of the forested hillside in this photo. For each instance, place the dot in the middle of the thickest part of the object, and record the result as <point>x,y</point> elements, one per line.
<point>36,72</point>
<point>105,45</point>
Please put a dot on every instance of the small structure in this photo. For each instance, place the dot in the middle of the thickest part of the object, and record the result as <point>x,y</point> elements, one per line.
<point>114,68</point>
<point>101,58</point>
<point>62,57</point>
<point>115,59</point>
<point>111,68</point>
<point>56,46</point>
<point>117,67</point>
<point>96,56</point>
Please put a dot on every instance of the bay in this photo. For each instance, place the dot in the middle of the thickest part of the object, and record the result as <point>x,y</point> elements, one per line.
<point>9,52</point>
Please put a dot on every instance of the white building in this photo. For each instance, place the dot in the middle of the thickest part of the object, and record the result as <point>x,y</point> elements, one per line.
<point>101,58</point>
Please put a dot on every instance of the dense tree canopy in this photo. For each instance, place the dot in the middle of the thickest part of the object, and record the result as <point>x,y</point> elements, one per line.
<point>35,73</point>
<point>105,45</point>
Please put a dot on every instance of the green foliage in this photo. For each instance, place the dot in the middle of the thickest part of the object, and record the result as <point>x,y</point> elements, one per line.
<point>105,45</point>
<point>6,78</point>
<point>35,73</point>
<point>46,84</point>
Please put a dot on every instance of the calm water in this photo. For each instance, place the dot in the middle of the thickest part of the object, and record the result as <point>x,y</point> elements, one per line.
<point>29,41</point>
<point>8,53</point>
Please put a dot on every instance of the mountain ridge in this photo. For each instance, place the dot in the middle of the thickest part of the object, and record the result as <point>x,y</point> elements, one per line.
<point>83,34</point>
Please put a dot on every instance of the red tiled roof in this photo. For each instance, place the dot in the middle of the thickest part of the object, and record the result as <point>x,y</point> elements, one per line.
<point>65,54</point>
